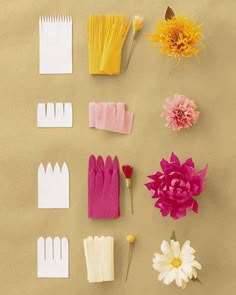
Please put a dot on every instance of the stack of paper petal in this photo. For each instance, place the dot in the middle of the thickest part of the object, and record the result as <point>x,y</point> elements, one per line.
<point>99,255</point>
<point>111,117</point>
<point>106,37</point>
<point>103,188</point>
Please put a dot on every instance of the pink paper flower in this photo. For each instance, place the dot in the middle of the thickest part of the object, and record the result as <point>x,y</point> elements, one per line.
<point>180,112</point>
<point>176,186</point>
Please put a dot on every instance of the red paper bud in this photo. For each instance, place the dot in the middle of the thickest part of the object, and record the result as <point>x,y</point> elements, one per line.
<point>127,170</point>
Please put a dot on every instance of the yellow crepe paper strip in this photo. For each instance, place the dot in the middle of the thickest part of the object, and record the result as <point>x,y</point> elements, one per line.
<point>106,37</point>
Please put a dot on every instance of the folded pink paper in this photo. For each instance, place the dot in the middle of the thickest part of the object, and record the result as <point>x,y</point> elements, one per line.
<point>110,117</point>
<point>103,188</point>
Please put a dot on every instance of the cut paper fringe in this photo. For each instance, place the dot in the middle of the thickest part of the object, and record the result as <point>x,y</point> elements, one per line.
<point>106,37</point>
<point>53,257</point>
<point>103,188</point>
<point>110,117</point>
<point>99,255</point>
<point>54,115</point>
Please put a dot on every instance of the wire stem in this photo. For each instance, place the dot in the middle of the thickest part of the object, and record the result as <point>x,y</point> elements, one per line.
<point>131,49</point>
<point>129,261</point>
<point>131,200</point>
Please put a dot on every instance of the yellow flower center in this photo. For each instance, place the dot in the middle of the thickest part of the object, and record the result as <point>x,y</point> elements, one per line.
<point>176,262</point>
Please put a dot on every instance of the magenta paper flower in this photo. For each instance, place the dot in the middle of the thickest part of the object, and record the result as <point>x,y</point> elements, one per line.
<point>176,186</point>
<point>180,112</point>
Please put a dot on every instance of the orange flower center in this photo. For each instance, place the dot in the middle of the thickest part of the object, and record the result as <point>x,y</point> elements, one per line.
<point>176,262</point>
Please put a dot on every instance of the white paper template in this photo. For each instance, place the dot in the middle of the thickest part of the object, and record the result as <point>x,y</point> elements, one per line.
<point>99,255</point>
<point>54,115</point>
<point>53,186</point>
<point>53,258</point>
<point>55,44</point>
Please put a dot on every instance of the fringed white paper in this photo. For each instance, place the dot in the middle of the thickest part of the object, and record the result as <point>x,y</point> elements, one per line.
<point>54,115</point>
<point>99,255</point>
<point>55,44</point>
<point>53,186</point>
<point>53,258</point>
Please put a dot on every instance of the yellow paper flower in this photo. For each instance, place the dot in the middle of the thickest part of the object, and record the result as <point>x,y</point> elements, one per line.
<point>138,23</point>
<point>178,37</point>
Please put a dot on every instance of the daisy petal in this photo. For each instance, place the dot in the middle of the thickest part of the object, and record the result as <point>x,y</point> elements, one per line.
<point>178,279</point>
<point>186,249</point>
<point>161,258</point>
<point>194,273</point>
<point>188,258</point>
<point>187,268</point>
<point>161,266</point>
<point>196,264</point>
<point>183,276</point>
<point>170,276</point>
<point>162,275</point>
<point>175,248</point>
<point>165,247</point>
<point>184,284</point>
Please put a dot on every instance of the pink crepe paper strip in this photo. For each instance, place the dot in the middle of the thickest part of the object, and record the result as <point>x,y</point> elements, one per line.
<point>110,117</point>
<point>103,188</point>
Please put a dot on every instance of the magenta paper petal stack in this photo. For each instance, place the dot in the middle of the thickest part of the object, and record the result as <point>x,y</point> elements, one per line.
<point>103,188</point>
<point>111,117</point>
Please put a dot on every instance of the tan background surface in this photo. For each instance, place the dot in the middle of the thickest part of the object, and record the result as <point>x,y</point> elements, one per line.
<point>143,87</point>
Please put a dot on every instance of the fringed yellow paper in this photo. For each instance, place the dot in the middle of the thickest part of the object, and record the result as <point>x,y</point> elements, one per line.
<point>106,37</point>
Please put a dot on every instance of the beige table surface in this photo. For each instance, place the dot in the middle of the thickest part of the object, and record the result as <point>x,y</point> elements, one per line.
<point>143,87</point>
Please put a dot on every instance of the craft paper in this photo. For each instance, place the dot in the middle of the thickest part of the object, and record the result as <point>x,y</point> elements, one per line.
<point>55,44</point>
<point>53,258</point>
<point>54,115</point>
<point>53,186</point>
<point>99,256</point>
<point>110,117</point>
<point>103,188</point>
<point>106,37</point>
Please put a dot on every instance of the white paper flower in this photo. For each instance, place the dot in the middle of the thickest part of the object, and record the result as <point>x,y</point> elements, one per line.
<point>175,263</point>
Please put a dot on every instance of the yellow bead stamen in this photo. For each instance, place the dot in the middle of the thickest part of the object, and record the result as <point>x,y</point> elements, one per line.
<point>176,262</point>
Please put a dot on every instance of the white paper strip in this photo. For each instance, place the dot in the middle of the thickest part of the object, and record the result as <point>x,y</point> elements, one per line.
<point>53,258</point>
<point>54,115</point>
<point>55,44</point>
<point>53,186</point>
<point>99,256</point>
